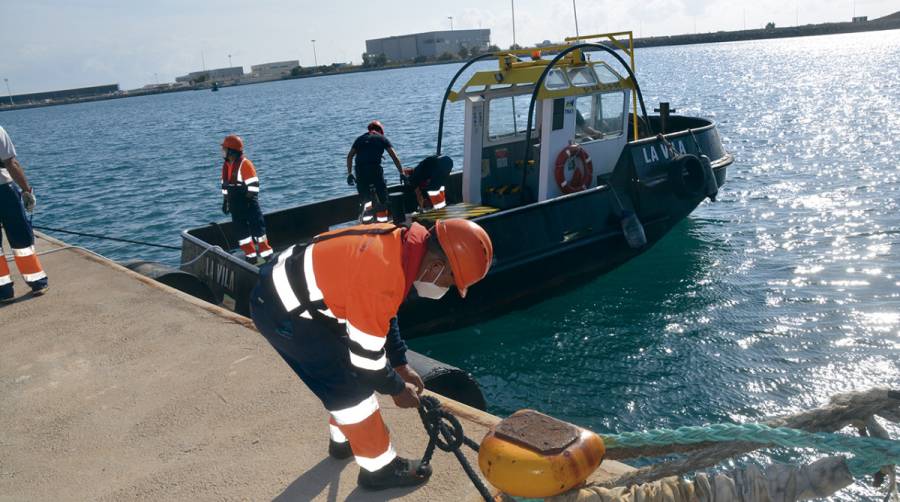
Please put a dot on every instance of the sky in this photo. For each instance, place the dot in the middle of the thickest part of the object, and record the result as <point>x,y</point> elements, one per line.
<point>49,45</point>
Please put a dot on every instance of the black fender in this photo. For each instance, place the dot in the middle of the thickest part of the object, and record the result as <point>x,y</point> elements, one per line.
<point>687,176</point>
<point>185,282</point>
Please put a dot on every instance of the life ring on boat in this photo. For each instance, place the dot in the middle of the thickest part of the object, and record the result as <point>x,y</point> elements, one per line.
<point>687,176</point>
<point>581,178</point>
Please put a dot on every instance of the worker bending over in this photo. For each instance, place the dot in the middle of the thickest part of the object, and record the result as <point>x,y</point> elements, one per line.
<point>240,191</point>
<point>329,308</point>
<point>16,197</point>
<point>429,179</point>
<point>368,150</point>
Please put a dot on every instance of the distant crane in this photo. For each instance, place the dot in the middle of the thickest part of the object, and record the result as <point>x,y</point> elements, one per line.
<point>315,58</point>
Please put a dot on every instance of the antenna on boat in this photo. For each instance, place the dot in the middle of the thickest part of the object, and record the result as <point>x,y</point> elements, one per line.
<point>513,4</point>
<point>575,11</point>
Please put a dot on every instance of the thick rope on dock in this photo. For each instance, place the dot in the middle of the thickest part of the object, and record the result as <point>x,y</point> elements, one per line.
<point>854,409</point>
<point>775,483</point>
<point>704,447</point>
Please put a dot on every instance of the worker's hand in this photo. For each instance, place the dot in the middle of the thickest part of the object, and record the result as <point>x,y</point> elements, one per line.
<point>403,179</point>
<point>407,398</point>
<point>351,180</point>
<point>409,375</point>
<point>225,208</point>
<point>251,195</point>
<point>29,200</point>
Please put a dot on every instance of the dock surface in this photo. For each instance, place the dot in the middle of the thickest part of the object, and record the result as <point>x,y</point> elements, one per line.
<point>115,387</point>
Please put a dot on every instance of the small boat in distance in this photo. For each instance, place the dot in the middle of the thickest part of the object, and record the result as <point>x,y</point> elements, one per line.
<point>562,167</point>
<point>215,87</point>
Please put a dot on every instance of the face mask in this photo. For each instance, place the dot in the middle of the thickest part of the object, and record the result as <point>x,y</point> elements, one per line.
<point>430,290</point>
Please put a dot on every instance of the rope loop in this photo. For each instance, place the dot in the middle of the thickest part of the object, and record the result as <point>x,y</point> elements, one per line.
<point>446,432</point>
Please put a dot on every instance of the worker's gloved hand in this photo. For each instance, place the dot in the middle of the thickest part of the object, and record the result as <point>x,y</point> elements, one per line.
<point>225,208</point>
<point>409,375</point>
<point>351,180</point>
<point>404,180</point>
<point>29,200</point>
<point>407,398</point>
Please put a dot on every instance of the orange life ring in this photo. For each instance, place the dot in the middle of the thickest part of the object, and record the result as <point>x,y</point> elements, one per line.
<point>581,178</point>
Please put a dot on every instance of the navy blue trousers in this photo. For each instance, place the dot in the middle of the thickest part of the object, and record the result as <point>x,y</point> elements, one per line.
<point>313,350</point>
<point>246,215</point>
<point>14,222</point>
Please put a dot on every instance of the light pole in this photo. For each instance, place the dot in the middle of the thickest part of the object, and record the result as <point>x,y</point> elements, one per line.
<point>229,60</point>
<point>8,92</point>
<point>315,57</point>
<point>451,22</point>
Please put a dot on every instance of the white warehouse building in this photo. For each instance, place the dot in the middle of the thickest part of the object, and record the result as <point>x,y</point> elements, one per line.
<point>273,70</point>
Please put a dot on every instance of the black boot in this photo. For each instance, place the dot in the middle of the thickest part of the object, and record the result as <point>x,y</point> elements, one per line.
<point>339,451</point>
<point>400,472</point>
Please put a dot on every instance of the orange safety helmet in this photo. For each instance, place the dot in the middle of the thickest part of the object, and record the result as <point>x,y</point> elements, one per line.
<point>376,125</point>
<point>233,142</point>
<point>468,248</point>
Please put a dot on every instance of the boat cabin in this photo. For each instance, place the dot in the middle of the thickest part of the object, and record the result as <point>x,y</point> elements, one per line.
<point>579,102</point>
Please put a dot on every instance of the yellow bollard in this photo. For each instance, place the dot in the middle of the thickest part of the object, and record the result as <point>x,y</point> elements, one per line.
<point>533,455</point>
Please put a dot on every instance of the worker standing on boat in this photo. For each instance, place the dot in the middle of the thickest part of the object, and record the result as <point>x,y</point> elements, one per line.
<point>368,150</point>
<point>17,197</point>
<point>329,309</point>
<point>240,192</point>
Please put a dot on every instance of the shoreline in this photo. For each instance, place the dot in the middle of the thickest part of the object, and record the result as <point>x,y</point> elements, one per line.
<point>891,22</point>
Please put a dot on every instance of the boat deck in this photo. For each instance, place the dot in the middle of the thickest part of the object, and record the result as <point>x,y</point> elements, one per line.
<point>116,387</point>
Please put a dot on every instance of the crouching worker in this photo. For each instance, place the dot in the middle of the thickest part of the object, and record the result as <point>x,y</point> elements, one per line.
<point>428,180</point>
<point>329,309</point>
<point>240,192</point>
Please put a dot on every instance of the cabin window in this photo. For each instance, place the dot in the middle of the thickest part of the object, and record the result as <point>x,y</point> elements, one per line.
<point>508,117</point>
<point>611,114</point>
<point>585,119</point>
<point>606,74</point>
<point>555,80</point>
<point>582,77</point>
<point>599,116</point>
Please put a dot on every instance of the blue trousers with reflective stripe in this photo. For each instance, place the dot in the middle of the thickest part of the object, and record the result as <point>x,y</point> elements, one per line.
<point>246,215</point>
<point>314,351</point>
<point>14,222</point>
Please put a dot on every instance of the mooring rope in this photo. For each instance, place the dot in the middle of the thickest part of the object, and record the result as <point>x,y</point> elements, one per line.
<point>446,433</point>
<point>869,453</point>
<point>106,237</point>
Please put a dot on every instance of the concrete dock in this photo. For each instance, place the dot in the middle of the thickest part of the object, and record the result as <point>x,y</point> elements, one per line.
<point>115,387</point>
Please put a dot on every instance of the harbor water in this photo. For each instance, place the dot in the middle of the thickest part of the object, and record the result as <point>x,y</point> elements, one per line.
<point>782,293</point>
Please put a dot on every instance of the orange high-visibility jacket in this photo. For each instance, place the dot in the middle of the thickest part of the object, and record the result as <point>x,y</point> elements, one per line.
<point>239,174</point>
<point>359,278</point>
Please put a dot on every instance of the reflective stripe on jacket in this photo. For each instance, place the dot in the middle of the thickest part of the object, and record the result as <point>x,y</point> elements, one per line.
<point>243,177</point>
<point>354,277</point>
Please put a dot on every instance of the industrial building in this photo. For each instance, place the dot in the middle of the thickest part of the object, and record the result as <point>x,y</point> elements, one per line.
<point>214,75</point>
<point>430,44</point>
<point>273,70</point>
<point>81,92</point>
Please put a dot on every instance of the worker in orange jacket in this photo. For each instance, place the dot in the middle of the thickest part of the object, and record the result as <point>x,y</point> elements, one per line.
<point>240,193</point>
<point>329,308</point>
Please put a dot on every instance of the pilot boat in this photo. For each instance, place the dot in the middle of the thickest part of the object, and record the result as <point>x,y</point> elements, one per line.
<point>562,166</point>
